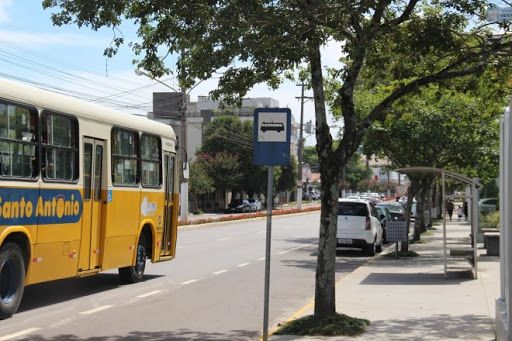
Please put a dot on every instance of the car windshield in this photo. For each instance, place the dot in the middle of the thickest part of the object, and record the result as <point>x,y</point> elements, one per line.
<point>252,200</point>
<point>353,208</point>
<point>396,208</point>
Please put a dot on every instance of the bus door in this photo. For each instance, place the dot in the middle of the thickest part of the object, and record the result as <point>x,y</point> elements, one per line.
<point>93,177</point>
<point>167,233</point>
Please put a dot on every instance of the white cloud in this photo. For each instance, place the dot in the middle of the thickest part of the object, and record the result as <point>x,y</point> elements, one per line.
<point>4,13</point>
<point>31,39</point>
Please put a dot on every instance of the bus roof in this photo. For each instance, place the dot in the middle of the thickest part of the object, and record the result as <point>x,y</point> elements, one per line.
<point>39,98</point>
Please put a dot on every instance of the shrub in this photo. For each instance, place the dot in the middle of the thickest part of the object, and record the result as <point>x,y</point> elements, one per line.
<point>490,220</point>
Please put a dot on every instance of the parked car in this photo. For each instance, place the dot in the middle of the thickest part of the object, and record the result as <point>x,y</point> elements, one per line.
<point>384,216</point>
<point>255,204</point>
<point>395,209</point>
<point>359,226</point>
<point>315,195</point>
<point>233,205</point>
<point>239,205</point>
<point>488,205</point>
<point>413,210</point>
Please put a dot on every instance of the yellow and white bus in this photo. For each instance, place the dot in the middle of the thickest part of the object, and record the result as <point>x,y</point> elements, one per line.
<point>83,189</point>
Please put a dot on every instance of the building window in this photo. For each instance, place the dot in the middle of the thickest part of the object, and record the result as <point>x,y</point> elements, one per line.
<point>125,145</point>
<point>59,142</point>
<point>151,160</point>
<point>18,141</point>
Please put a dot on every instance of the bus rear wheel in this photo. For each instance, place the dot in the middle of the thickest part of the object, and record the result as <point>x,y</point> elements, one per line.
<point>12,277</point>
<point>135,273</point>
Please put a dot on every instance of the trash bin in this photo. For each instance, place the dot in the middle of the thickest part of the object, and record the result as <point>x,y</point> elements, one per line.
<point>492,243</point>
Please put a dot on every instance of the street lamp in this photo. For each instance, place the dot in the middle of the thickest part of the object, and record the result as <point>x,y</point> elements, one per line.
<point>183,143</point>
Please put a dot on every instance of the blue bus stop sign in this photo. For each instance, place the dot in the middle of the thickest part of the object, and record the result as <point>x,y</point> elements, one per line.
<point>272,131</point>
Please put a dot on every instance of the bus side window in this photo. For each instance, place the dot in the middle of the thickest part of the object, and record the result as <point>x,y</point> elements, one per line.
<point>18,141</point>
<point>125,157</point>
<point>60,147</point>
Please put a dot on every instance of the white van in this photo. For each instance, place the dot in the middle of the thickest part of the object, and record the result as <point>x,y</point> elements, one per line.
<point>359,226</point>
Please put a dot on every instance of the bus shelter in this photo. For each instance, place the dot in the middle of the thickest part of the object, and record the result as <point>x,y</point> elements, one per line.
<point>460,251</point>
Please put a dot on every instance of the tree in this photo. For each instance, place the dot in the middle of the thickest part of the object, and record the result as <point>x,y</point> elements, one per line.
<point>287,178</point>
<point>255,41</point>
<point>355,170</point>
<point>453,129</point>
<point>222,168</point>
<point>228,134</point>
<point>200,182</point>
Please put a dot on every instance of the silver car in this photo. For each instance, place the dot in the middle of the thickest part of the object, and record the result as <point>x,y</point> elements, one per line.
<point>254,204</point>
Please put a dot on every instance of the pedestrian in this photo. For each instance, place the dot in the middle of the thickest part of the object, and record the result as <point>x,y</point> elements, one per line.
<point>449,208</point>
<point>460,213</point>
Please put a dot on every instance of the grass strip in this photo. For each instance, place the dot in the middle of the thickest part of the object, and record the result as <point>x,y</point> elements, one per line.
<point>339,324</point>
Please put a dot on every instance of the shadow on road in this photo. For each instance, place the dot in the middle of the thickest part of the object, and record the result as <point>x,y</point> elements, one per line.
<point>178,335</point>
<point>48,293</point>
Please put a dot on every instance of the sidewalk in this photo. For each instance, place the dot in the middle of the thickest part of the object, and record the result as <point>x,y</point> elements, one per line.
<point>409,299</point>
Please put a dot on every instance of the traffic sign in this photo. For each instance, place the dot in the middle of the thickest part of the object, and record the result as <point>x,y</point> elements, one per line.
<point>272,131</point>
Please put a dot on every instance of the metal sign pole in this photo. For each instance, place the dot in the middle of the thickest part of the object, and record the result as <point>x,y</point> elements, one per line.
<point>267,251</point>
<point>272,134</point>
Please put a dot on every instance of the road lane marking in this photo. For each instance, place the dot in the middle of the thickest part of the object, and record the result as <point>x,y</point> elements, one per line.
<point>179,247</point>
<point>18,334</point>
<point>265,231</point>
<point>219,272</point>
<point>295,248</point>
<point>224,239</point>
<point>261,258</point>
<point>95,310</point>
<point>190,282</point>
<point>242,265</point>
<point>149,293</point>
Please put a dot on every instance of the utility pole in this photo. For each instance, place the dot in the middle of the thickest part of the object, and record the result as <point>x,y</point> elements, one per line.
<point>184,158</point>
<point>299,149</point>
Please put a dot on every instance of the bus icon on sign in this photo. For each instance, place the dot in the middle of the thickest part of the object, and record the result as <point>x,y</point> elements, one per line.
<point>268,126</point>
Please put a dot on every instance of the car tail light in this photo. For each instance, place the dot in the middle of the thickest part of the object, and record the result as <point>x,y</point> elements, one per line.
<point>368,225</point>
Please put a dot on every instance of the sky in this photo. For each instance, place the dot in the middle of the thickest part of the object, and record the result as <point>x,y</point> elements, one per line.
<point>70,60</point>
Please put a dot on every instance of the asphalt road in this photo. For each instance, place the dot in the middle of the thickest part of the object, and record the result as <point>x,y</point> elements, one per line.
<point>213,290</point>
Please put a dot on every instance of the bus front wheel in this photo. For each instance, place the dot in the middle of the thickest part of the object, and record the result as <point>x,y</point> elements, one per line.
<point>12,277</point>
<point>135,273</point>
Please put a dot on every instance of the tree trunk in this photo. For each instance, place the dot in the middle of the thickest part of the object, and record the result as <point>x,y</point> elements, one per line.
<point>325,295</point>
<point>419,220</point>
<point>330,169</point>
<point>404,246</point>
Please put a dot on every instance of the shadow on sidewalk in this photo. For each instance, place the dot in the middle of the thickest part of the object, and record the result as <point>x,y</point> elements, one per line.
<point>437,327</point>
<point>380,278</point>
